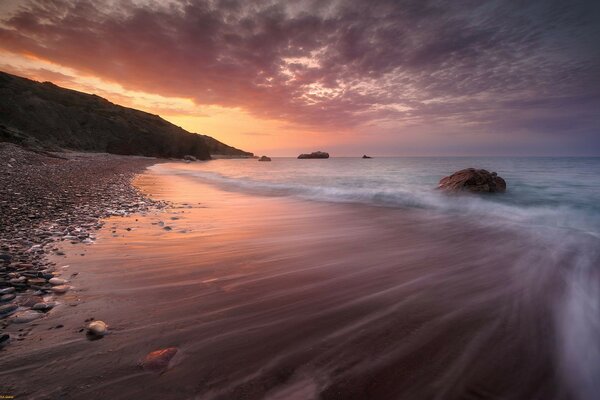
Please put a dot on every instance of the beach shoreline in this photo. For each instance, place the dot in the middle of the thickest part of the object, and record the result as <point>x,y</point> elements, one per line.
<point>48,199</point>
<point>274,297</point>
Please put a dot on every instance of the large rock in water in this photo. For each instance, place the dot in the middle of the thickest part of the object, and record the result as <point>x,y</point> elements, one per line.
<point>264,158</point>
<point>316,154</point>
<point>473,180</point>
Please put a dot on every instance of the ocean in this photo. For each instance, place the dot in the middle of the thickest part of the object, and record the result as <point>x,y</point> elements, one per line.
<point>542,192</point>
<point>553,204</point>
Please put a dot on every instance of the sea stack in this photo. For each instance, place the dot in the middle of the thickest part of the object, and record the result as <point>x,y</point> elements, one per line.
<point>316,154</point>
<point>264,158</point>
<point>366,156</point>
<point>473,180</point>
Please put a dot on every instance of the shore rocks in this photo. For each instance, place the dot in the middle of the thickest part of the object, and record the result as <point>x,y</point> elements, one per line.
<point>97,328</point>
<point>43,306</point>
<point>7,297</point>
<point>264,158</point>
<point>473,180</point>
<point>190,158</point>
<point>57,281</point>
<point>316,154</point>
<point>7,310</point>
<point>25,316</point>
<point>158,360</point>
<point>52,198</point>
<point>61,289</point>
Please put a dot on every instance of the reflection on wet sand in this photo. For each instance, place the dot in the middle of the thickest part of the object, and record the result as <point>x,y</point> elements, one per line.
<point>275,298</point>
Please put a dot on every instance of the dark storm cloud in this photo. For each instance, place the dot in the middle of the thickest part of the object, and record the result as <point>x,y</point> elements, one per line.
<point>484,66</point>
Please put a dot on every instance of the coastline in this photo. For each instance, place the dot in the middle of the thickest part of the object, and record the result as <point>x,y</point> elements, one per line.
<point>49,199</point>
<point>270,297</point>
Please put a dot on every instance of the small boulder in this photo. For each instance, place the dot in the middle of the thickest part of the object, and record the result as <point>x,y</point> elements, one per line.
<point>473,180</point>
<point>190,158</point>
<point>366,156</point>
<point>158,360</point>
<point>264,158</point>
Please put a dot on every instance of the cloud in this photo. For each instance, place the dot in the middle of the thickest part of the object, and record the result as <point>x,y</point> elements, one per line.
<point>486,66</point>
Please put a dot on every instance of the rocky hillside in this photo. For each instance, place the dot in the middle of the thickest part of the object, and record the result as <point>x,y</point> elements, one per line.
<point>46,116</point>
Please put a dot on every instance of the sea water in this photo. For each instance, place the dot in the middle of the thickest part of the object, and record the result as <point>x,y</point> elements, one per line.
<point>555,200</point>
<point>555,192</point>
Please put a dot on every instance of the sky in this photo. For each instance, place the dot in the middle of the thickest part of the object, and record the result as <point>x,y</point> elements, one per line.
<point>353,77</point>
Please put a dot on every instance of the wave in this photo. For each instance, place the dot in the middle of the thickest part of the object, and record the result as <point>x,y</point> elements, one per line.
<point>491,209</point>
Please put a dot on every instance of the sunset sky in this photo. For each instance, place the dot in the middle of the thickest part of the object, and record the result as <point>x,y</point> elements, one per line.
<point>349,77</point>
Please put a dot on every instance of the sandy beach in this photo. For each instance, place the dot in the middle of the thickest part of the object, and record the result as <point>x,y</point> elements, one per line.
<point>279,298</point>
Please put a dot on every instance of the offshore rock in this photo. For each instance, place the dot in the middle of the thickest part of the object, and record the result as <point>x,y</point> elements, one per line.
<point>473,180</point>
<point>316,154</point>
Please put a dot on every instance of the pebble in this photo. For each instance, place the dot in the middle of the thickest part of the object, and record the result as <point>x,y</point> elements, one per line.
<point>57,281</point>
<point>7,309</point>
<point>25,317</point>
<point>43,306</point>
<point>61,289</point>
<point>7,290</point>
<point>158,360</point>
<point>7,297</point>
<point>97,328</point>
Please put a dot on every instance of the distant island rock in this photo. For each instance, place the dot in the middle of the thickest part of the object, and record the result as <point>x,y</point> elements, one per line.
<point>473,180</point>
<point>44,116</point>
<point>366,156</point>
<point>316,154</point>
<point>264,158</point>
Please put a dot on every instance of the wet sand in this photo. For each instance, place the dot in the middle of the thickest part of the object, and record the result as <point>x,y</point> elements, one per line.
<point>275,298</point>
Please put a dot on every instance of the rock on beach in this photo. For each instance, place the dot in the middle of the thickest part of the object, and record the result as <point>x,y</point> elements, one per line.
<point>97,328</point>
<point>473,180</point>
<point>158,360</point>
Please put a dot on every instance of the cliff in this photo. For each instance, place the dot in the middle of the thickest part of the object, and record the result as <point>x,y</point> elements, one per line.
<point>47,116</point>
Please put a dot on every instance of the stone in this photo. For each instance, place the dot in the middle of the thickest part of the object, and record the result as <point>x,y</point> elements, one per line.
<point>57,281</point>
<point>43,306</point>
<point>159,360</point>
<point>97,328</point>
<point>316,154</point>
<point>7,290</point>
<point>61,289</point>
<point>7,297</point>
<point>7,309</point>
<point>4,339</point>
<point>473,180</point>
<point>190,158</point>
<point>25,317</point>
<point>28,300</point>
<point>20,279</point>
<point>264,158</point>
<point>366,156</point>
